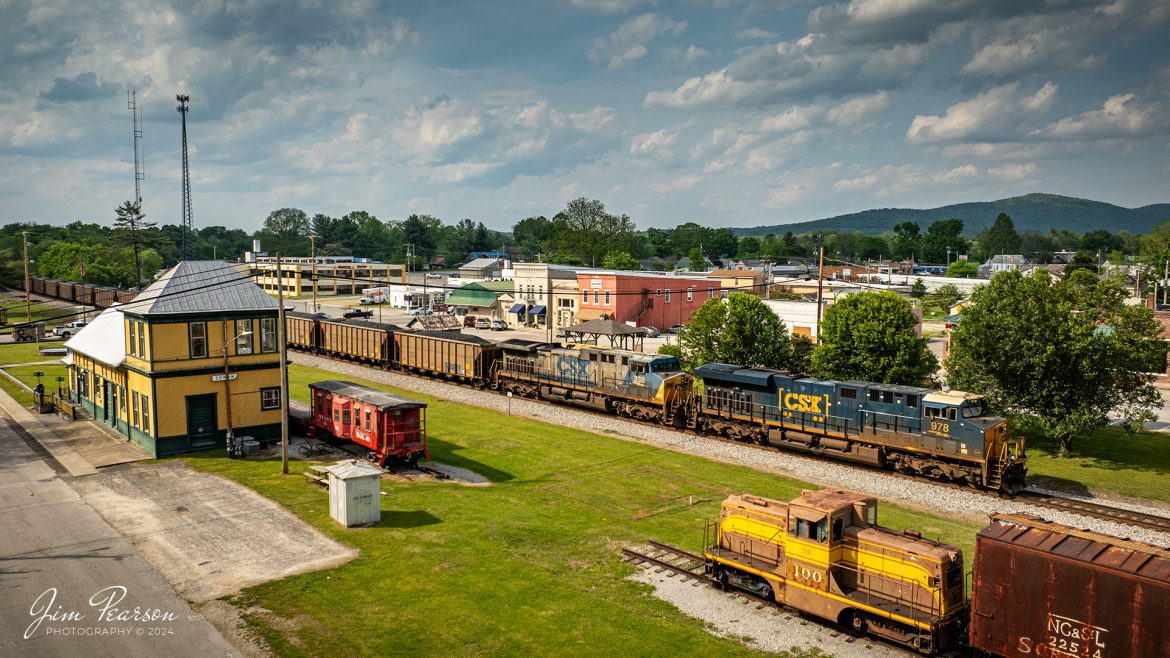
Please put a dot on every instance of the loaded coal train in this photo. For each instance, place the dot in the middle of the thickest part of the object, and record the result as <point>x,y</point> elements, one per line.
<point>1039,589</point>
<point>942,435</point>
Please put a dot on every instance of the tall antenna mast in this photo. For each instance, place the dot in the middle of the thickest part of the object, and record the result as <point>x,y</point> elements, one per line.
<point>139,174</point>
<point>185,245</point>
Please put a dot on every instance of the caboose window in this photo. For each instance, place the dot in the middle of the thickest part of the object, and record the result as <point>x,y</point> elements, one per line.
<point>337,415</point>
<point>367,420</point>
<point>270,398</point>
<point>345,416</point>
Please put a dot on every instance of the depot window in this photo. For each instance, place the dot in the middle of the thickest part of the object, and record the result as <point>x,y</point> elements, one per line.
<point>269,398</point>
<point>584,296</point>
<point>146,413</point>
<point>268,334</point>
<point>197,333</point>
<point>607,298</point>
<point>244,343</point>
<point>134,407</point>
<point>133,338</point>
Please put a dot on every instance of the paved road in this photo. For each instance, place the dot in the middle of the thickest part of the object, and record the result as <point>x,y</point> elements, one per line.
<point>62,564</point>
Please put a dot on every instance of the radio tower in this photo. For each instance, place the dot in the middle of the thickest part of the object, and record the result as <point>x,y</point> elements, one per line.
<point>185,244</point>
<point>139,176</point>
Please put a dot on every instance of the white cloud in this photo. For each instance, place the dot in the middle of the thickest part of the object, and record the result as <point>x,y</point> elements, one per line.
<point>957,174</point>
<point>431,129</point>
<point>853,184</point>
<point>1014,172</point>
<point>695,53</point>
<point>459,171</point>
<point>628,42</point>
<point>794,118</point>
<point>788,194</point>
<point>755,33</point>
<point>655,143</point>
<point>593,120</point>
<point>608,6</point>
<point>995,115</point>
<point>852,111</point>
<point>810,66</point>
<point>1121,116</point>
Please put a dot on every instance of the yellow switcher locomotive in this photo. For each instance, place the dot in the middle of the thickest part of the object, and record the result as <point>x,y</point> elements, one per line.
<point>825,554</point>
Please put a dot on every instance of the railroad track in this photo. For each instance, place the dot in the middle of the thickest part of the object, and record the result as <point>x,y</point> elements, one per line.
<point>1074,506</point>
<point>1096,510</point>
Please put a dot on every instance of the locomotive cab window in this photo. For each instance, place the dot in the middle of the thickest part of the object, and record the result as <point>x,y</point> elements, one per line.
<point>849,393</point>
<point>951,413</point>
<point>911,400</point>
<point>838,529</point>
<point>875,396</point>
<point>887,397</point>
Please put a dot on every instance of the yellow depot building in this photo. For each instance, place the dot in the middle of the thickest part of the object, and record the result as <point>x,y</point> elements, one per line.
<point>191,359</point>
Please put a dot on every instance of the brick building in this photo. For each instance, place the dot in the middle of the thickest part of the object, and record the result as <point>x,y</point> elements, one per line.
<point>645,299</point>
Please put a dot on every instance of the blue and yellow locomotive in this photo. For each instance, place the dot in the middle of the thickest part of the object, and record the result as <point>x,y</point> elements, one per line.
<point>945,435</point>
<point>645,386</point>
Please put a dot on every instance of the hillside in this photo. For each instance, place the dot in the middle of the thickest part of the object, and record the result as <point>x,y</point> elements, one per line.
<point>1034,212</point>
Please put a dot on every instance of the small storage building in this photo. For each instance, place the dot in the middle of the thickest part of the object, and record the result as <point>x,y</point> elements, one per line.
<point>355,493</point>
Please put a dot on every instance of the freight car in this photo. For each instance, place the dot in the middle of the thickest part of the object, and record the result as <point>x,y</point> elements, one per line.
<point>825,554</point>
<point>1048,590</point>
<point>943,435</point>
<point>392,427</point>
<point>915,430</point>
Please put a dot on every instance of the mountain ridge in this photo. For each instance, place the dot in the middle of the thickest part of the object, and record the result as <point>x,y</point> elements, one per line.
<point>1030,212</point>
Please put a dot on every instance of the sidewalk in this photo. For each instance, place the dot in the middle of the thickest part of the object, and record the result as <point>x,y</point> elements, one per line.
<point>72,585</point>
<point>80,446</point>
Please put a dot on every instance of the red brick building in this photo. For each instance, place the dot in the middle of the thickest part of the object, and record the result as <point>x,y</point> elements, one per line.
<point>648,300</point>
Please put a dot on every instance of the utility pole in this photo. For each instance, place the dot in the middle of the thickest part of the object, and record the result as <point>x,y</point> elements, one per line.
<point>548,311</point>
<point>313,255</point>
<point>27,287</point>
<point>282,350</point>
<point>820,289</point>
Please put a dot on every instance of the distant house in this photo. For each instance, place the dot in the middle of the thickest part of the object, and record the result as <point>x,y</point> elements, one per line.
<point>742,280</point>
<point>684,265</point>
<point>476,255</point>
<point>1003,263</point>
<point>482,268</point>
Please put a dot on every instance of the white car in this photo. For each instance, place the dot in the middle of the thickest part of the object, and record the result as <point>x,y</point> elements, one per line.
<point>419,310</point>
<point>367,300</point>
<point>434,276</point>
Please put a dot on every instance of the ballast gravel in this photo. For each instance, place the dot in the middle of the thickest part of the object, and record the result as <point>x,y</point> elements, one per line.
<point>767,631</point>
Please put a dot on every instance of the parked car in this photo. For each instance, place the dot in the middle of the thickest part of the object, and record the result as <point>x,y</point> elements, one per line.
<point>677,328</point>
<point>483,323</point>
<point>649,332</point>
<point>469,321</point>
<point>434,276</point>
<point>68,330</point>
<point>357,313</point>
<point>419,310</point>
<point>499,325</point>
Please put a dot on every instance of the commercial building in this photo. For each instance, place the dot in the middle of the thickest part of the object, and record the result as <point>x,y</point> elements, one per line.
<point>643,298</point>
<point>336,275</point>
<point>490,299</point>
<point>191,359</point>
<point>543,293</point>
<point>750,281</point>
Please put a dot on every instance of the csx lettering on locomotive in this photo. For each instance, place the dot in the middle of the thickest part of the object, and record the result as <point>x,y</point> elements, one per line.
<point>802,402</point>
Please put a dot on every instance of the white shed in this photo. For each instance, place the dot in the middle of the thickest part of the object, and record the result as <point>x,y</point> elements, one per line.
<point>355,493</point>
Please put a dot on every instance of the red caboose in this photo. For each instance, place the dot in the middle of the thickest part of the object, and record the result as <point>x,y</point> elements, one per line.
<point>392,427</point>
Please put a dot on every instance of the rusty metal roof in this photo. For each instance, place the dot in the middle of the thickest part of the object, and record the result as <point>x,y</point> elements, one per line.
<point>1125,555</point>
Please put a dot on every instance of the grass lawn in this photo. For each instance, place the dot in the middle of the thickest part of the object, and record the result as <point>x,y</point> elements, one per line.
<point>25,353</point>
<point>57,315</point>
<point>529,565</point>
<point>11,353</point>
<point>1107,459</point>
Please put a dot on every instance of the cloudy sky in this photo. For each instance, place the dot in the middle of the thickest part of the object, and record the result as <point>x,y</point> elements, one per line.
<point>725,112</point>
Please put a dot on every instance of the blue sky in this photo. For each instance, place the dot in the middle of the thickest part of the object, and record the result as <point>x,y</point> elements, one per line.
<point>724,112</point>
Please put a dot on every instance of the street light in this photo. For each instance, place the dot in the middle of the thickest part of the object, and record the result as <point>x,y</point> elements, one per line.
<point>227,386</point>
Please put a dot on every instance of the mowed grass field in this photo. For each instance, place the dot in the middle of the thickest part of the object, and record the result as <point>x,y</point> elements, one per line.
<point>528,565</point>
<point>27,353</point>
<point>1105,460</point>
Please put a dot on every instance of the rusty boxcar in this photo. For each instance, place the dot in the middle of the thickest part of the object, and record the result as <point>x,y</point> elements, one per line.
<point>358,340</point>
<point>392,427</point>
<point>1046,590</point>
<point>447,353</point>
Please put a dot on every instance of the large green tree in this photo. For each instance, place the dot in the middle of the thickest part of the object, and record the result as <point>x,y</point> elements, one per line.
<point>286,232</point>
<point>619,260</point>
<point>1000,238</point>
<point>1064,354</point>
<point>962,269</point>
<point>740,329</point>
<point>585,230</point>
<point>872,336</point>
<point>943,240</point>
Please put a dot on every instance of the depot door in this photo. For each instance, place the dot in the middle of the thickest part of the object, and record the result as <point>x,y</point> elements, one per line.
<point>201,421</point>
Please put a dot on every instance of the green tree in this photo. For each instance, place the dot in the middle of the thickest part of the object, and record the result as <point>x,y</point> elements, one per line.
<point>375,235</point>
<point>749,247</point>
<point>285,232</point>
<point>872,336</point>
<point>1083,261</point>
<point>740,329</point>
<point>619,260</point>
<point>1064,355</point>
<point>698,262</point>
<point>918,289</point>
<point>1000,238</point>
<point>963,269</point>
<point>132,230</point>
<point>941,236</point>
<point>421,231</point>
<point>944,297</point>
<point>585,230</point>
<point>906,242</point>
